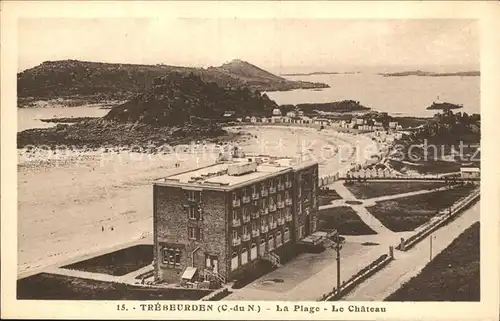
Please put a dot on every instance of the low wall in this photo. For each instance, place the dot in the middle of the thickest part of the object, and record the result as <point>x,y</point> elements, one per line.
<point>216,295</point>
<point>358,278</point>
<point>443,219</point>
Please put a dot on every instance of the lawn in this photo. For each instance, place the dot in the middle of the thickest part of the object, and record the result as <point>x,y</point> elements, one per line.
<point>408,213</point>
<point>453,275</point>
<point>117,263</point>
<point>46,286</point>
<point>325,197</point>
<point>427,167</point>
<point>345,220</point>
<point>365,190</point>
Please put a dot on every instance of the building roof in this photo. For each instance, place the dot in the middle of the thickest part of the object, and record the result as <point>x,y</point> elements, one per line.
<point>216,176</point>
<point>189,273</point>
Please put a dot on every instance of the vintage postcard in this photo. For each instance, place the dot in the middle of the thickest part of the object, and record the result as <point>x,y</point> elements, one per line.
<point>253,160</point>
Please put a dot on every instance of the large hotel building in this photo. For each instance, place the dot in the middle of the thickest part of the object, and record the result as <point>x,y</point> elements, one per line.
<point>219,220</point>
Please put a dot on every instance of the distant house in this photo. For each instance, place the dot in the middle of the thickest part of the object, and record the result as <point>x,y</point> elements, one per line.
<point>228,113</point>
<point>253,119</point>
<point>360,121</point>
<point>305,119</point>
<point>399,127</point>
<point>300,113</point>
<point>276,112</point>
<point>239,120</point>
<point>470,172</point>
<point>321,121</point>
<point>276,119</point>
<point>264,120</point>
<point>291,114</point>
<point>393,124</point>
<point>377,123</point>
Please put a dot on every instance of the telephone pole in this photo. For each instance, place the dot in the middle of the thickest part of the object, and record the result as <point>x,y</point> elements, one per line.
<point>338,247</point>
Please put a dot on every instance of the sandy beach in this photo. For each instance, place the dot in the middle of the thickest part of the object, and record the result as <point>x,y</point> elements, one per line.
<point>91,201</point>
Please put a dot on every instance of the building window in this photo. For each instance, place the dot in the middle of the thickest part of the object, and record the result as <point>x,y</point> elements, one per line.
<point>193,213</point>
<point>300,207</point>
<point>235,196</point>
<point>171,257</point>
<point>254,189</point>
<point>194,195</point>
<point>279,198</point>
<point>235,234</point>
<point>177,258</point>
<point>271,183</point>
<point>245,229</point>
<point>287,195</point>
<point>235,215</point>
<point>234,261</point>
<point>195,233</point>
<point>278,181</point>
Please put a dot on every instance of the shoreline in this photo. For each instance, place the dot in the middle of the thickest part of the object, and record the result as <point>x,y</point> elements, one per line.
<point>96,189</point>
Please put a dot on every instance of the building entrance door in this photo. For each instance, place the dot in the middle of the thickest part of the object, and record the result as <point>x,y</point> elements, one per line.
<point>215,265</point>
<point>308,225</point>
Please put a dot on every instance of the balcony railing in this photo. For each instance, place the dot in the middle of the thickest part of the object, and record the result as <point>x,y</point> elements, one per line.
<point>246,218</point>
<point>272,208</point>
<point>281,221</point>
<point>288,202</point>
<point>264,229</point>
<point>255,214</point>
<point>281,187</point>
<point>288,184</point>
<point>273,225</point>
<point>264,211</point>
<point>236,203</point>
<point>255,196</point>
<point>281,204</point>
<point>255,233</point>
<point>272,190</point>
<point>236,242</point>
<point>288,218</point>
<point>246,237</point>
<point>264,192</point>
<point>246,199</point>
<point>236,222</point>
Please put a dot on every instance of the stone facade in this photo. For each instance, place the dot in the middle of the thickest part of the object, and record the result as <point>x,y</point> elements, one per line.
<point>227,230</point>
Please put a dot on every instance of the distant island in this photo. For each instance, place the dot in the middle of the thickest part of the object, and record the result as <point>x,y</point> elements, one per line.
<point>322,73</point>
<point>432,74</point>
<point>75,82</point>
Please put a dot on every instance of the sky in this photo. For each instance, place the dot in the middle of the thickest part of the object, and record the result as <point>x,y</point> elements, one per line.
<point>278,45</point>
